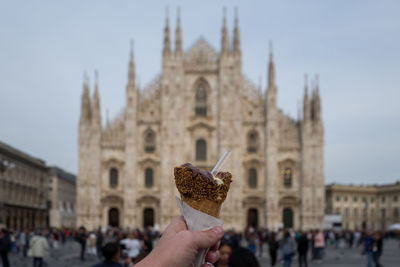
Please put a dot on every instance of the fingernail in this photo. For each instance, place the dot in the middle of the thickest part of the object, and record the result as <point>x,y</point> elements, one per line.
<point>209,264</point>
<point>218,230</point>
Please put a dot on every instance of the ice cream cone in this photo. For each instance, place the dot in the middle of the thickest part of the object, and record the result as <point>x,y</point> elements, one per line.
<point>200,190</point>
<point>209,207</point>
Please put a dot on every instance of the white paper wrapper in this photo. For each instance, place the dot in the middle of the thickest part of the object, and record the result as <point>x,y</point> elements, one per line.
<point>197,221</point>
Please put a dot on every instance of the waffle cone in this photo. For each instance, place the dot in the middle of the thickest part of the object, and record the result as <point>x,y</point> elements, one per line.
<point>209,207</point>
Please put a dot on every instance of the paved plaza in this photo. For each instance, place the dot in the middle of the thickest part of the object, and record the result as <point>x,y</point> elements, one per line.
<point>68,256</point>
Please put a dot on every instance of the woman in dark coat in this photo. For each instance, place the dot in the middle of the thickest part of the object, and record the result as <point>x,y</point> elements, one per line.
<point>302,249</point>
<point>273,248</point>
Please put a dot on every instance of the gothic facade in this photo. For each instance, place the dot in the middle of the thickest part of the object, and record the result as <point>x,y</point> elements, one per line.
<point>198,107</point>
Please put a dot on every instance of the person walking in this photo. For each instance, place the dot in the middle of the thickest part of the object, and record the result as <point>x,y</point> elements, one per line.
<point>319,244</point>
<point>288,247</point>
<point>92,243</point>
<point>302,249</point>
<point>273,248</point>
<point>38,249</point>
<point>368,248</point>
<point>377,249</point>
<point>99,243</point>
<point>82,239</point>
<point>5,246</point>
<point>133,246</point>
<point>24,240</point>
<point>148,244</point>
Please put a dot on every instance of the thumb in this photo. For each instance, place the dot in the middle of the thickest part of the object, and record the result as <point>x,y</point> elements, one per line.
<point>206,239</point>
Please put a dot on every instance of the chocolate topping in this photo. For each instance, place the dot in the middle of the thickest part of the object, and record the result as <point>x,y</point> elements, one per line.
<point>196,184</point>
<point>195,171</point>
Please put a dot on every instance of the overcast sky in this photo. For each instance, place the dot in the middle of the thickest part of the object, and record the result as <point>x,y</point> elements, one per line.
<point>354,46</point>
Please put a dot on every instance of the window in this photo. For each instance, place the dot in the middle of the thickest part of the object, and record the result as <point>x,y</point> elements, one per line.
<point>337,211</point>
<point>372,213</point>
<point>337,198</point>
<point>396,212</point>
<point>201,150</point>
<point>113,177</point>
<point>383,199</point>
<point>383,213</point>
<point>395,198</point>
<point>355,199</point>
<point>345,199</point>
<point>287,177</point>
<point>372,200</point>
<point>201,101</point>
<point>252,178</point>
<point>149,141</point>
<point>365,212</point>
<point>252,142</point>
<point>148,177</point>
<point>347,212</point>
<point>355,212</point>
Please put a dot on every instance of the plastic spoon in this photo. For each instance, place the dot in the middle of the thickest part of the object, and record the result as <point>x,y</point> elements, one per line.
<point>218,166</point>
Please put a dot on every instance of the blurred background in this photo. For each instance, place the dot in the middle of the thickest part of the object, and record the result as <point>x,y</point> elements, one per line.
<point>51,52</point>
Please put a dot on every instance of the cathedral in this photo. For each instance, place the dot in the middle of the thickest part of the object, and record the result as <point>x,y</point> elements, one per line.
<point>198,107</point>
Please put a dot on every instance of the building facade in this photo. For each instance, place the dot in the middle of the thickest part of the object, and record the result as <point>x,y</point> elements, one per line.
<point>62,196</point>
<point>23,190</point>
<point>198,107</point>
<point>373,207</point>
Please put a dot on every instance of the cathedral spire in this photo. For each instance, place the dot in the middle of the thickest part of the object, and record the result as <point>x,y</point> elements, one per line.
<point>236,40</point>
<point>306,85</point>
<point>96,102</point>
<point>85,101</point>
<point>224,39</point>
<point>131,71</point>
<point>271,68</point>
<point>178,34</point>
<point>316,100</point>
<point>306,101</point>
<point>167,43</point>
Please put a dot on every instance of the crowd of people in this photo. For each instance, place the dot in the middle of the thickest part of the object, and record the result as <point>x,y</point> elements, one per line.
<point>284,244</point>
<point>134,245</point>
<point>235,249</point>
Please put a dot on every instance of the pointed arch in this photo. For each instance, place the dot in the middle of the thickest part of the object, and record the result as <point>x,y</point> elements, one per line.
<point>149,177</point>
<point>149,141</point>
<point>201,97</point>
<point>113,177</point>
<point>201,150</point>
<point>252,178</point>
<point>253,141</point>
<point>287,177</point>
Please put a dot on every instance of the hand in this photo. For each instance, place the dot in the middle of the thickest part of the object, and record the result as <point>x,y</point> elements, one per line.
<point>178,246</point>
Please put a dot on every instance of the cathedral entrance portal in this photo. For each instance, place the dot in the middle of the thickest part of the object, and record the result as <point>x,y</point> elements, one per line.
<point>113,217</point>
<point>252,218</point>
<point>287,218</point>
<point>148,217</point>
